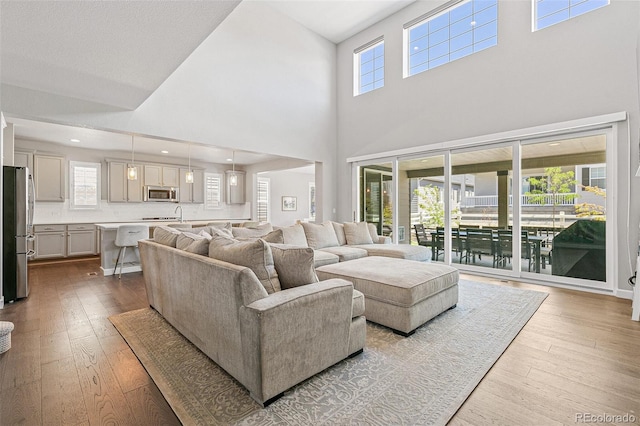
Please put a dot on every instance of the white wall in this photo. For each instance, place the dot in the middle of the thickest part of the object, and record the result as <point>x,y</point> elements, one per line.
<point>288,183</point>
<point>261,82</point>
<point>581,68</point>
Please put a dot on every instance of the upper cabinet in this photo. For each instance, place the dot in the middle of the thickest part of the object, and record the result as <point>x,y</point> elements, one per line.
<point>48,176</point>
<point>235,193</point>
<point>121,189</point>
<point>192,192</point>
<point>158,175</point>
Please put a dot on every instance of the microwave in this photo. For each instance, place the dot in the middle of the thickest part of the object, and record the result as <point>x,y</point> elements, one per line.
<point>160,193</point>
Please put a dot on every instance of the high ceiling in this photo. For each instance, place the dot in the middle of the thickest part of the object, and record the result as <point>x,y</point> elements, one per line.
<point>118,53</point>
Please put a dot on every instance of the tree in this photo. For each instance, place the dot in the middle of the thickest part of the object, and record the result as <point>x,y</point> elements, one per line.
<point>590,210</point>
<point>431,206</point>
<point>553,183</point>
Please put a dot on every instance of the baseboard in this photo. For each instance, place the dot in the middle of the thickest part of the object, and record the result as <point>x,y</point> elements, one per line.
<point>624,294</point>
<point>2,302</point>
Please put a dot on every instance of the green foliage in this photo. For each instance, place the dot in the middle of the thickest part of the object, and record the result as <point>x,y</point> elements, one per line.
<point>549,186</point>
<point>590,210</point>
<point>431,207</point>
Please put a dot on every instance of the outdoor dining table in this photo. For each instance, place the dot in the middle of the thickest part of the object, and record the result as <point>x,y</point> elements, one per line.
<point>534,239</point>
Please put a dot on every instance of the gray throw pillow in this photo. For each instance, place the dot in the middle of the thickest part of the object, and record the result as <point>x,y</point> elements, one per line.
<point>320,236</point>
<point>374,232</point>
<point>255,255</point>
<point>339,228</point>
<point>255,232</point>
<point>294,265</point>
<point>166,235</point>
<point>357,233</point>
<point>294,235</point>
<point>274,236</point>
<point>194,243</point>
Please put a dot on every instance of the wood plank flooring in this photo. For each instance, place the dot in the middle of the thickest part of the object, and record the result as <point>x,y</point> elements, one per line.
<point>580,353</point>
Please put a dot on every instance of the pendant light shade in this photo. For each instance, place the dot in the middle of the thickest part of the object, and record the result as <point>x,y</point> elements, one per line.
<point>132,170</point>
<point>189,175</point>
<point>233,178</point>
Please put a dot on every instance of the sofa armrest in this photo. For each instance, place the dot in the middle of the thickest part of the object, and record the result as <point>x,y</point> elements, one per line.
<point>383,240</point>
<point>293,334</point>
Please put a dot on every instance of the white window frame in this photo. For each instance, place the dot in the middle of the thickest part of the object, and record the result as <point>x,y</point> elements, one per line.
<point>535,20</point>
<point>356,65</point>
<point>267,181</point>
<point>312,201</point>
<point>211,201</point>
<point>424,19</point>
<point>591,178</point>
<point>72,183</point>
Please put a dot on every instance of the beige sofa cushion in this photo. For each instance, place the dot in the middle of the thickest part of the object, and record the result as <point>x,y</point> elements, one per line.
<point>194,243</point>
<point>294,235</point>
<point>255,254</point>
<point>339,228</point>
<point>321,258</point>
<point>357,233</point>
<point>166,235</point>
<point>255,232</point>
<point>345,253</point>
<point>400,251</point>
<point>294,265</point>
<point>320,236</point>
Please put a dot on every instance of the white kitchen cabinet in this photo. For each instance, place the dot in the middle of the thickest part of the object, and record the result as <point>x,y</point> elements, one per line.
<point>81,239</point>
<point>235,193</point>
<point>48,176</point>
<point>192,192</point>
<point>50,241</point>
<point>158,175</point>
<point>121,189</point>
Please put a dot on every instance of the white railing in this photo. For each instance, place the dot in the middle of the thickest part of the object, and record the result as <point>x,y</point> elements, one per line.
<point>568,199</point>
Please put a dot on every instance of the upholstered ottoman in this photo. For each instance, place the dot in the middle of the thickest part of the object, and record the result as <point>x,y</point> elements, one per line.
<point>399,294</point>
<point>6,328</point>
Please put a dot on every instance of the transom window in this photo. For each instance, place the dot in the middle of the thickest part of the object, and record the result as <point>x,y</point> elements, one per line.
<point>550,12</point>
<point>369,67</point>
<point>457,31</point>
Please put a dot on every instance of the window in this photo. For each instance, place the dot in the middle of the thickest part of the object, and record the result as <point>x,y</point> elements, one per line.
<point>446,35</point>
<point>369,67</point>
<point>594,176</point>
<point>85,185</point>
<point>263,200</point>
<point>212,191</point>
<point>550,12</point>
<point>312,200</point>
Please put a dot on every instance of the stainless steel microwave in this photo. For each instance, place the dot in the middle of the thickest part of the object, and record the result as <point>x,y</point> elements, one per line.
<point>160,193</point>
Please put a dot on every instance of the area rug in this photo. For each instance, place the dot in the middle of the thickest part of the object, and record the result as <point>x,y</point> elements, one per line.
<point>422,379</point>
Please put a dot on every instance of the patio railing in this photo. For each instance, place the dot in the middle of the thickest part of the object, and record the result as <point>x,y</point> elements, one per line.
<point>568,199</point>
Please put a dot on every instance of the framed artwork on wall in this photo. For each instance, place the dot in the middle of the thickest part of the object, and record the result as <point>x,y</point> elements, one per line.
<point>289,203</point>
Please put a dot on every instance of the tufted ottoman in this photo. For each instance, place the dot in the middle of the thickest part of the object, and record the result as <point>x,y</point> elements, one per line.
<point>5,336</point>
<point>399,294</point>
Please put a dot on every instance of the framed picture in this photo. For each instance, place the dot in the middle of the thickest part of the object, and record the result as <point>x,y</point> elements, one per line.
<point>289,203</point>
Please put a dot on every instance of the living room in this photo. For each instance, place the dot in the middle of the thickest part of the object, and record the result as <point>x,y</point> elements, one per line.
<point>229,92</point>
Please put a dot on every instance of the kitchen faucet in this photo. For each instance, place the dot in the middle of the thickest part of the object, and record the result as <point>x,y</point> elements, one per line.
<point>181,215</point>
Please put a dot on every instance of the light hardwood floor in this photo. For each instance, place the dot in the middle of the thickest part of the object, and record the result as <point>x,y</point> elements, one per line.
<point>579,353</point>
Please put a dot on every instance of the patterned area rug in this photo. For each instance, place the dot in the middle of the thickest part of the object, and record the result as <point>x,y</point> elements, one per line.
<point>422,379</point>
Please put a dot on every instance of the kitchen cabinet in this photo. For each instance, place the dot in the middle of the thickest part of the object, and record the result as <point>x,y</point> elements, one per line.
<point>192,192</point>
<point>48,176</point>
<point>235,194</point>
<point>158,175</point>
<point>23,159</point>
<point>81,239</point>
<point>121,189</point>
<point>50,241</point>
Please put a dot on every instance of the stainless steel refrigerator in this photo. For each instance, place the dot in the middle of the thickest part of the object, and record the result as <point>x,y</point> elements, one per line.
<point>17,226</point>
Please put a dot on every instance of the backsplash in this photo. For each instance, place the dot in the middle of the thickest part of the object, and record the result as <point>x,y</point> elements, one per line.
<point>51,213</point>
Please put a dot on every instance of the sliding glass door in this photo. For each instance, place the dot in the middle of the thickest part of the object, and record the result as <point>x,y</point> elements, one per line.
<point>376,198</point>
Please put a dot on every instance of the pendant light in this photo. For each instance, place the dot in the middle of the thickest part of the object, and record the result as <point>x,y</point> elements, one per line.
<point>233,178</point>
<point>132,170</point>
<point>189,175</point>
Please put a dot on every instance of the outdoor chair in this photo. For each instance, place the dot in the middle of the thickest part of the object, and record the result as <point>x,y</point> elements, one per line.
<point>479,242</point>
<point>458,245</point>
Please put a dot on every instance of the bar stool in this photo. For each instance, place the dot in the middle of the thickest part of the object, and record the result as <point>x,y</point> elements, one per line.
<point>6,328</point>
<point>128,236</point>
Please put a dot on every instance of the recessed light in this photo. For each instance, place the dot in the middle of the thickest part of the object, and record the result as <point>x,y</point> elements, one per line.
<point>74,140</point>
<point>229,159</point>
<point>554,144</point>
<point>164,151</point>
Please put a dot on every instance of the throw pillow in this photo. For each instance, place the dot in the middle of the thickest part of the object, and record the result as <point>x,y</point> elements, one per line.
<point>224,225</point>
<point>294,235</point>
<point>166,235</point>
<point>255,255</point>
<point>374,232</point>
<point>320,236</point>
<point>274,236</point>
<point>255,232</point>
<point>339,228</point>
<point>294,265</point>
<point>194,243</point>
<point>357,233</point>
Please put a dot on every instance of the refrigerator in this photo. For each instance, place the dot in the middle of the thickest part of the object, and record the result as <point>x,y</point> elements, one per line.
<point>17,225</point>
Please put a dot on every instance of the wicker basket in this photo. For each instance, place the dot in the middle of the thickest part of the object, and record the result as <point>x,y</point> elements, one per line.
<point>5,336</point>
